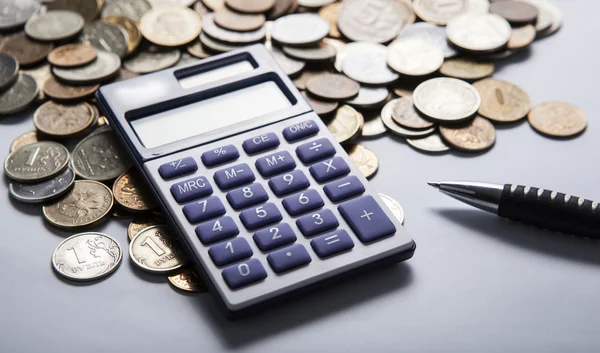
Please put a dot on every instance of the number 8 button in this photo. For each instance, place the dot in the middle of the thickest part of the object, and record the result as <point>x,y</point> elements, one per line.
<point>247,196</point>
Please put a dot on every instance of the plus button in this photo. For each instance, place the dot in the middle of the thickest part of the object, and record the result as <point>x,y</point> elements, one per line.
<point>367,215</point>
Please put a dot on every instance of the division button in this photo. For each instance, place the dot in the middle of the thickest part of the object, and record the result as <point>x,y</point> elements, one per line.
<point>288,183</point>
<point>344,188</point>
<point>244,273</point>
<point>191,189</point>
<point>260,143</point>
<point>230,251</point>
<point>329,169</point>
<point>315,151</point>
<point>288,258</point>
<point>275,163</point>
<point>367,219</point>
<point>301,130</point>
<point>317,222</point>
<point>177,168</point>
<point>215,230</point>
<point>274,237</point>
<point>232,177</point>
<point>203,210</point>
<point>220,155</point>
<point>332,243</point>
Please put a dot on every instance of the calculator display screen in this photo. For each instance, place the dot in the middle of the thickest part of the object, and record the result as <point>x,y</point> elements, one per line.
<point>210,114</point>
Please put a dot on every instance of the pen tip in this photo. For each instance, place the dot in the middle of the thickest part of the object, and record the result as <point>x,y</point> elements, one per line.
<point>434,184</point>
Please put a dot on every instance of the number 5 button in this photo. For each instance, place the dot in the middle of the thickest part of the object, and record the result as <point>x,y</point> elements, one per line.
<point>260,216</point>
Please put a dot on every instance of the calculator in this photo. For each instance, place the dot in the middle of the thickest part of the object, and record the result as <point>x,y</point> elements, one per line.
<point>266,202</point>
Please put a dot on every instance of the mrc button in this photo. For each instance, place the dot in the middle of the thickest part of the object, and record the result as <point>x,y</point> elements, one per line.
<point>260,143</point>
<point>301,130</point>
<point>191,189</point>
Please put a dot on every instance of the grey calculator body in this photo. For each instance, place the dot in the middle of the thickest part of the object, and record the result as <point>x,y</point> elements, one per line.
<point>228,100</point>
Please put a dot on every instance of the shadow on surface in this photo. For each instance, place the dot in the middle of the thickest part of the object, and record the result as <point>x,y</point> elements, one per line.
<point>531,238</point>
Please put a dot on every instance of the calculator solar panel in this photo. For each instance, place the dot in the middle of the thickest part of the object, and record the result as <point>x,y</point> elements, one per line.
<point>267,203</point>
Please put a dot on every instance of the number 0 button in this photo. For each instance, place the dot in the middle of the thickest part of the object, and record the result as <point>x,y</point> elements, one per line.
<point>243,274</point>
<point>260,216</point>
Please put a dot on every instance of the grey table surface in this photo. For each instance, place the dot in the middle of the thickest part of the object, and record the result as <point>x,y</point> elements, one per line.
<point>477,283</point>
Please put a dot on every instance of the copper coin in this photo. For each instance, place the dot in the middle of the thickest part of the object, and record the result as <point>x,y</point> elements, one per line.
<point>139,224</point>
<point>132,194</point>
<point>521,37</point>
<point>26,51</point>
<point>405,114</point>
<point>502,101</point>
<point>188,280</point>
<point>125,75</point>
<point>557,119</point>
<point>330,13</point>
<point>254,6</point>
<point>89,9</point>
<point>23,140</point>
<point>320,107</point>
<point>62,92</point>
<point>466,69</point>
<point>237,21</point>
<point>364,158</point>
<point>515,12</point>
<point>477,135</point>
<point>133,37</point>
<point>60,121</point>
<point>300,81</point>
<point>346,124</point>
<point>332,87</point>
<point>72,55</point>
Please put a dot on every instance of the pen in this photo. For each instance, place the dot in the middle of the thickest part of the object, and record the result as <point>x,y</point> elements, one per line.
<point>542,208</point>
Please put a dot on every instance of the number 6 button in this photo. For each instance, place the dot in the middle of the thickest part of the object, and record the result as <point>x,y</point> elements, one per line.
<point>302,202</point>
<point>243,274</point>
<point>260,216</point>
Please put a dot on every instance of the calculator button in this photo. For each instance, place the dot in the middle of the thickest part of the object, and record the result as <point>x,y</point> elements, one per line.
<point>260,216</point>
<point>332,243</point>
<point>288,183</point>
<point>244,273</point>
<point>301,130</point>
<point>275,163</point>
<point>237,175</point>
<point>260,143</point>
<point>218,229</point>
<point>288,258</point>
<point>367,219</point>
<point>247,196</point>
<point>230,251</point>
<point>344,188</point>
<point>317,222</point>
<point>177,168</point>
<point>329,169</point>
<point>220,155</point>
<point>274,237</point>
<point>303,202</point>
<point>316,150</point>
<point>203,210</point>
<point>191,189</point>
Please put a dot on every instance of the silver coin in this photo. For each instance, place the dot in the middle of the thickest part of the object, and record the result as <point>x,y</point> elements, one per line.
<point>302,29</point>
<point>315,4</point>
<point>152,58</point>
<point>394,206</point>
<point>369,97</point>
<point>431,33</point>
<point>99,157</point>
<point>431,143</point>
<point>185,59</point>
<point>104,36</point>
<point>446,99</point>
<point>54,25</point>
<point>104,67</point>
<point>290,67</point>
<point>87,256</point>
<point>224,35</point>
<point>322,52</point>
<point>373,125</point>
<point>479,6</point>
<point>36,162</point>
<point>9,70</point>
<point>549,18</point>
<point>16,12</point>
<point>217,45</point>
<point>18,96</point>
<point>365,62</point>
<point>184,3</point>
<point>390,124</point>
<point>154,249</point>
<point>414,56</point>
<point>132,9</point>
<point>44,191</point>
<point>374,20</point>
<point>479,33</point>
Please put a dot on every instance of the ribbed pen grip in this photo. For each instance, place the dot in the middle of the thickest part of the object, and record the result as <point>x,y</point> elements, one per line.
<point>551,210</point>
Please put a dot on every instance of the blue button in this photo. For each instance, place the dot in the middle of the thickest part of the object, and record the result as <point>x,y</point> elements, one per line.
<point>329,169</point>
<point>344,188</point>
<point>237,175</point>
<point>288,183</point>
<point>367,219</point>
<point>230,251</point>
<point>288,258</point>
<point>260,143</point>
<point>275,163</point>
<point>203,210</point>
<point>220,155</point>
<point>219,229</point>
<point>303,202</point>
<point>274,237</point>
<point>177,168</point>
<point>316,150</point>
<point>191,189</point>
<point>260,216</point>
<point>247,196</point>
<point>243,274</point>
<point>318,222</point>
<point>301,130</point>
<point>332,243</point>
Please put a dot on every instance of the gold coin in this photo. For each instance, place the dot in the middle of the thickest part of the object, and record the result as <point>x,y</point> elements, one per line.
<point>62,121</point>
<point>557,119</point>
<point>139,224</point>
<point>87,203</point>
<point>171,26</point>
<point>403,91</point>
<point>346,123</point>
<point>72,55</point>
<point>477,135</point>
<point>466,69</point>
<point>63,92</point>
<point>131,193</point>
<point>405,114</point>
<point>134,37</point>
<point>155,249</point>
<point>330,13</point>
<point>502,101</point>
<point>188,280</point>
<point>197,49</point>
<point>521,37</point>
<point>23,140</point>
<point>300,81</point>
<point>364,158</point>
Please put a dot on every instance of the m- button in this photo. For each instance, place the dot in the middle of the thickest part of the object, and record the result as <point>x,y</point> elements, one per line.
<point>232,177</point>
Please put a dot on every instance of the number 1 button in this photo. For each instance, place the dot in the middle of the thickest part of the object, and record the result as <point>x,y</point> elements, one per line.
<point>230,251</point>
<point>243,274</point>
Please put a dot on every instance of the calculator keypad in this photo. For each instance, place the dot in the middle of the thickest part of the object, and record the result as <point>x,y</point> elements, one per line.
<point>317,222</point>
<point>235,176</point>
<point>261,216</point>
<point>274,237</point>
<point>275,163</point>
<point>302,202</point>
<point>220,155</point>
<point>288,183</point>
<point>247,196</point>
<point>216,230</point>
<point>191,189</point>
<point>315,151</point>
<point>243,274</point>
<point>288,258</point>
<point>329,169</point>
<point>230,251</point>
<point>203,210</point>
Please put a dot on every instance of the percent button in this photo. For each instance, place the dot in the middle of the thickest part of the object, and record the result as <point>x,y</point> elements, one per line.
<point>220,155</point>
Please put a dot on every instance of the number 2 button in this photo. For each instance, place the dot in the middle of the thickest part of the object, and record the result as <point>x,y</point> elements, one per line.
<point>274,237</point>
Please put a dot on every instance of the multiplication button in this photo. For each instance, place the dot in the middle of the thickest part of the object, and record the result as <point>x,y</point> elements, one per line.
<point>367,219</point>
<point>232,177</point>
<point>177,168</point>
<point>220,155</point>
<point>329,169</point>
